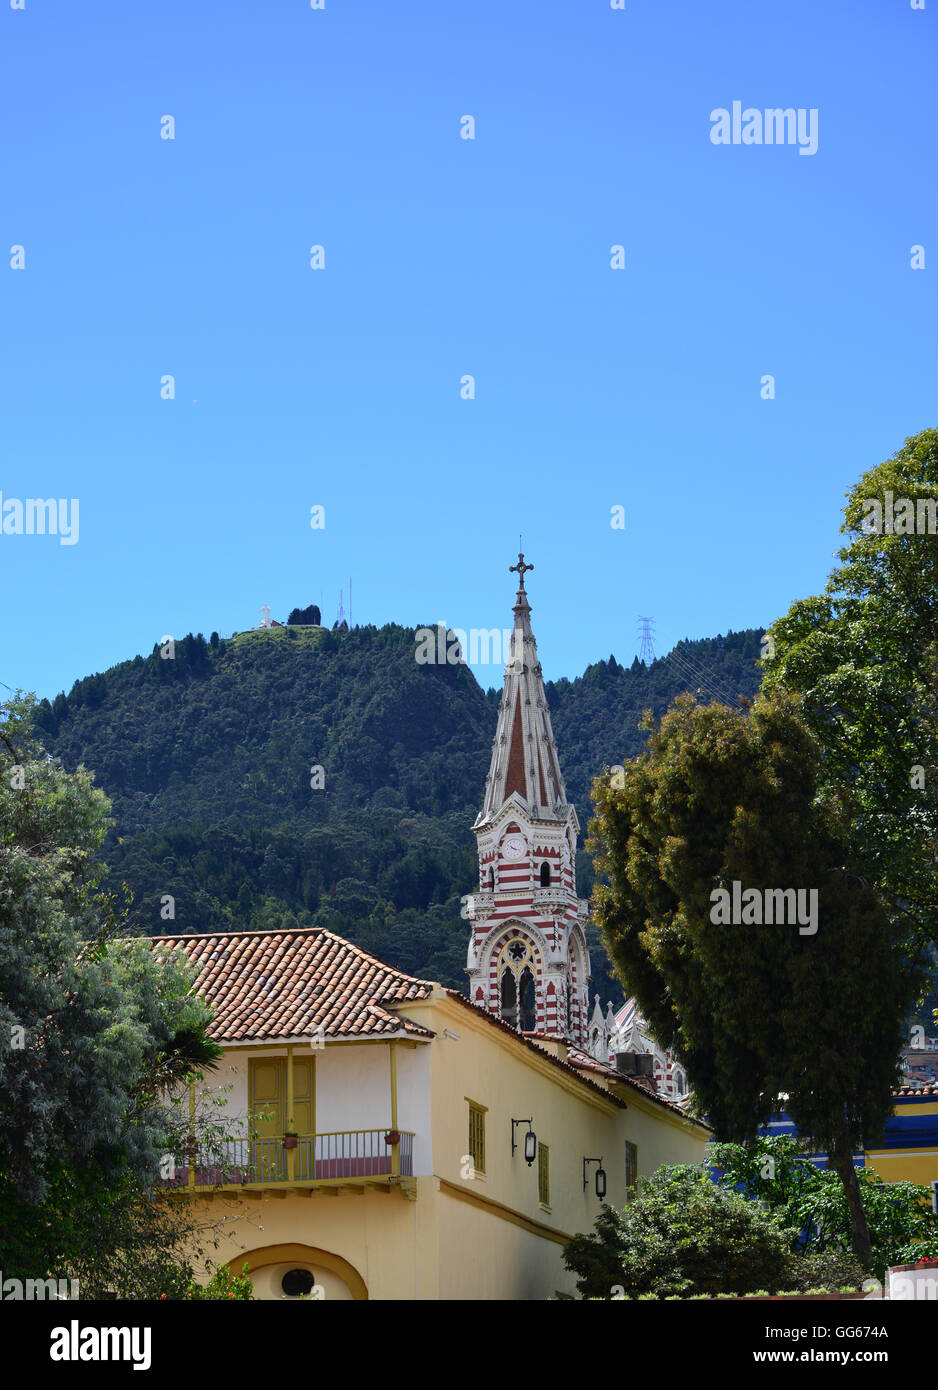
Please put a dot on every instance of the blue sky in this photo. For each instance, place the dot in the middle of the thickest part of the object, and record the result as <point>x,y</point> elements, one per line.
<point>446,257</point>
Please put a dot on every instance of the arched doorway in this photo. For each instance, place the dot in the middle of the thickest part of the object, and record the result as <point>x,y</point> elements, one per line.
<point>282,1272</point>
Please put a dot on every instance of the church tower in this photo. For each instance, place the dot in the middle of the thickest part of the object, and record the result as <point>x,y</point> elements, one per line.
<point>528,962</point>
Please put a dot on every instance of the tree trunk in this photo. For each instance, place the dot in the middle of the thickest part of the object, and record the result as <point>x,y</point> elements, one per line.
<point>841,1160</point>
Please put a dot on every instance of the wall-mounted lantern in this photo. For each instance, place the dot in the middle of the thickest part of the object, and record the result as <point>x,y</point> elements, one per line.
<point>530,1141</point>
<point>600,1176</point>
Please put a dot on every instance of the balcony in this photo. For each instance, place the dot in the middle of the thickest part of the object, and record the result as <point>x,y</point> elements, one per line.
<point>346,1158</point>
<point>479,906</point>
<point>552,900</point>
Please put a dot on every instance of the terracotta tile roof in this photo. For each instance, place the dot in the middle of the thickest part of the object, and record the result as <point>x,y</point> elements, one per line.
<point>574,1069</point>
<point>584,1062</point>
<point>281,984</point>
<point>928,1090</point>
<point>286,984</point>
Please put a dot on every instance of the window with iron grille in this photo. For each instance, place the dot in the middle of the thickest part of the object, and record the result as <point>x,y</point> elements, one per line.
<point>477,1136</point>
<point>631,1166</point>
<point>543,1174</point>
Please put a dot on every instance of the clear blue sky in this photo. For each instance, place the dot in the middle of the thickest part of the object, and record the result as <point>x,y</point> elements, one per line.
<point>444,257</point>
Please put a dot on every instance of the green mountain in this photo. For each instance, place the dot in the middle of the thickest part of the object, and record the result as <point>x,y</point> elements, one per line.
<point>297,776</point>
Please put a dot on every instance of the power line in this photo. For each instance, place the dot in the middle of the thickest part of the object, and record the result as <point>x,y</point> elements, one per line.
<point>686,666</point>
<point>702,676</point>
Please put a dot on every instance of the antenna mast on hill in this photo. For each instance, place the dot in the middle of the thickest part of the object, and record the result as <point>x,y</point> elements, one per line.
<point>647,634</point>
<point>350,600</point>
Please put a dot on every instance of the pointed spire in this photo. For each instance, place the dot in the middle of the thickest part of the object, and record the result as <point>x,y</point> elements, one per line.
<point>596,1042</point>
<point>524,754</point>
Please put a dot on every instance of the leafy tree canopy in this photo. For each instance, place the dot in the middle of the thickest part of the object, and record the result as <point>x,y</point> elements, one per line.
<point>303,616</point>
<point>94,1034</point>
<point>810,1200</point>
<point>864,654</point>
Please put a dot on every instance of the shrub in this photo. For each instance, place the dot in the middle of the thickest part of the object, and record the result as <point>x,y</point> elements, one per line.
<point>833,1270</point>
<point>681,1235</point>
<point>225,1285</point>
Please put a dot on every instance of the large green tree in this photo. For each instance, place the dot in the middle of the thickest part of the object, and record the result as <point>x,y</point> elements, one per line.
<point>864,655</point>
<point>755,1012</point>
<point>95,1036</point>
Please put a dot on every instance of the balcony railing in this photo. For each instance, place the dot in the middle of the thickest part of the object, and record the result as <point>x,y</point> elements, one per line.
<point>479,906</point>
<point>339,1156</point>
<point>553,898</point>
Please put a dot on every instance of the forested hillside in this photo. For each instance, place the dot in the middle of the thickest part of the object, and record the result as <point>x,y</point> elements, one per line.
<point>299,776</point>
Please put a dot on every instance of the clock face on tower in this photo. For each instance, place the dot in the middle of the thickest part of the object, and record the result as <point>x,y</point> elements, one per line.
<point>515,847</point>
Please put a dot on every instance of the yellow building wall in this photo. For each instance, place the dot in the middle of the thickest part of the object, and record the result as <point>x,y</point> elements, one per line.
<point>467,1235</point>
<point>899,1165</point>
<point>483,1256</point>
<point>660,1137</point>
<point>496,1240</point>
<point>377,1233</point>
<point>917,1163</point>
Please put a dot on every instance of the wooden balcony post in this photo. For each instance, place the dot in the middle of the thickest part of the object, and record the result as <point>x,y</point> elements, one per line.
<point>395,1148</point>
<point>290,1124</point>
<point>193,1155</point>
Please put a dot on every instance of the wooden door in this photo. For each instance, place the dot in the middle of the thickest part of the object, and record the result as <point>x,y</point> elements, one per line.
<point>267,1098</point>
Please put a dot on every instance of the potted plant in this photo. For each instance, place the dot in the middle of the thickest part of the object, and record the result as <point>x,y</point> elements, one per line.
<point>393,1136</point>
<point>290,1139</point>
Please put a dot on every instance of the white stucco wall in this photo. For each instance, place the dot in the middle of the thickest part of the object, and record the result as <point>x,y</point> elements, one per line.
<point>353,1091</point>
<point>353,1088</point>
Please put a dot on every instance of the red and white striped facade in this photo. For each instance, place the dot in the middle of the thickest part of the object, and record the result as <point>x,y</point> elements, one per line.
<point>627,1031</point>
<point>528,961</point>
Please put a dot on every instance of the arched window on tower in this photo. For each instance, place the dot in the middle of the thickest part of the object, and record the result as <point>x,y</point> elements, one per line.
<point>491,880</point>
<point>528,1011</point>
<point>509,998</point>
<point>545,875</point>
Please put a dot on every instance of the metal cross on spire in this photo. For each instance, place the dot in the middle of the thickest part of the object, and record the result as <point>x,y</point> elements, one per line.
<point>521,570</point>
